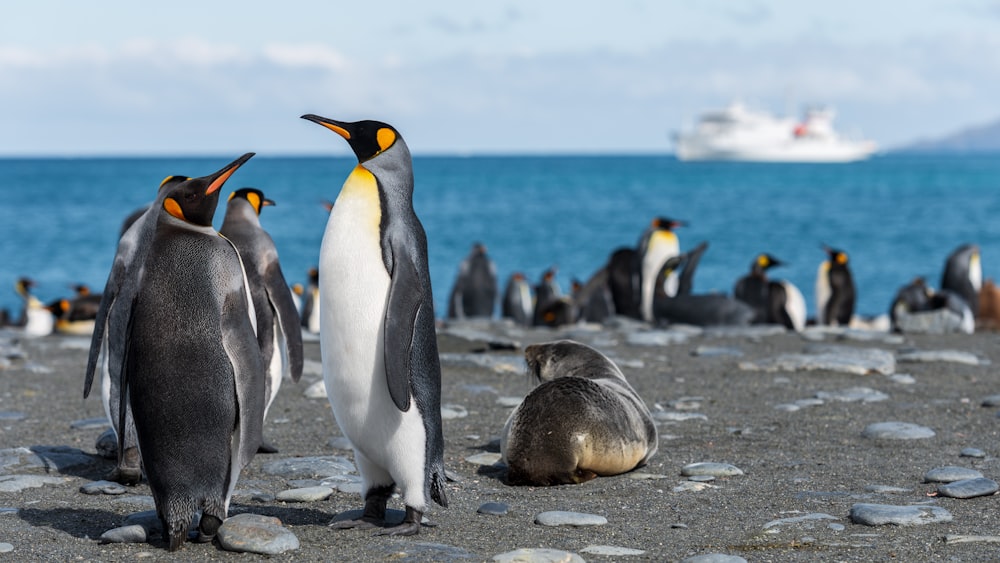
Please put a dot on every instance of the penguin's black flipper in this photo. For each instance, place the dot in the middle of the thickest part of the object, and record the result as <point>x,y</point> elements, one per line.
<point>400,317</point>
<point>288,317</point>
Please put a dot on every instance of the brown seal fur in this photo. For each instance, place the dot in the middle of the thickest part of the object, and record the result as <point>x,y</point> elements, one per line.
<point>581,421</point>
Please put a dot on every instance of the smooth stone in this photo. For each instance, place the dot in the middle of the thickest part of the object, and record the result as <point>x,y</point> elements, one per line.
<point>714,558</point>
<point>565,518</point>
<point>960,538</point>
<point>702,478</point>
<point>950,473</point>
<point>857,362</point>
<point>853,395</point>
<point>656,338</point>
<point>643,476</point>
<point>5,510</point>
<point>18,483</point>
<point>254,533</point>
<point>805,518</point>
<point>671,416</point>
<point>451,411</point>
<point>6,547</point>
<point>305,494</point>
<point>972,452</point>
<point>991,401</point>
<point>89,424</point>
<point>716,352</point>
<point>836,527</point>
<point>952,356</point>
<point>969,488</point>
<point>887,489</point>
<point>133,533</point>
<point>612,550</point>
<point>509,402</point>
<point>711,468</point>
<point>692,487</point>
<point>12,415</point>
<point>881,514</point>
<point>103,488</point>
<point>341,443</point>
<point>107,444</point>
<point>902,378</point>
<point>352,488</point>
<point>309,467</point>
<point>896,431</point>
<point>493,508</point>
<point>538,555</point>
<point>316,391</point>
<point>485,458</point>
<point>58,459</point>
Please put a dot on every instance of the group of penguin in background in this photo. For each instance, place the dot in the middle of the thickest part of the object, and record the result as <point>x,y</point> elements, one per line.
<point>653,282</point>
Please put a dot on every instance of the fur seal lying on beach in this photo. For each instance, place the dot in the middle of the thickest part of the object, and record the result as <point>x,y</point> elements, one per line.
<point>581,421</point>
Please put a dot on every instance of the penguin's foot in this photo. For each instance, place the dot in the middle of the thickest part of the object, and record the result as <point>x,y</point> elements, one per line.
<point>207,528</point>
<point>267,448</point>
<point>356,524</point>
<point>373,515</point>
<point>409,527</point>
<point>129,469</point>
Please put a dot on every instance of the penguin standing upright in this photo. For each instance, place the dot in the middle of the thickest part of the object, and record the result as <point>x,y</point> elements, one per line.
<point>753,288</point>
<point>279,334</point>
<point>517,300</point>
<point>192,371</point>
<point>36,318</point>
<point>835,293</point>
<point>310,302</point>
<point>474,293</point>
<point>377,335</point>
<point>548,295</point>
<point>658,244</point>
<point>963,274</point>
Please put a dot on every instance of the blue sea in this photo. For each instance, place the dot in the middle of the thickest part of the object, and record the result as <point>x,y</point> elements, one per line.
<point>897,216</point>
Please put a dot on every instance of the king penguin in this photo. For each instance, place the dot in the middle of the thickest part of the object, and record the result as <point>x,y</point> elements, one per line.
<point>658,244</point>
<point>279,333</point>
<point>753,288</point>
<point>835,292</point>
<point>474,293</point>
<point>377,335</point>
<point>192,372</point>
<point>518,304</point>
<point>963,274</point>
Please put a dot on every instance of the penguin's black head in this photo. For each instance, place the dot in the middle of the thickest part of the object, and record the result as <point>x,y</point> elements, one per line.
<point>838,257</point>
<point>194,199</point>
<point>253,196</point>
<point>367,138</point>
<point>766,261</point>
<point>667,224</point>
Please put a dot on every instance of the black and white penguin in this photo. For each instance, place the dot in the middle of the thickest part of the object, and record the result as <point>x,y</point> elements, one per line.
<point>547,294</point>
<point>474,293</point>
<point>685,307</point>
<point>517,300</point>
<point>310,302</point>
<point>658,244</point>
<point>963,275</point>
<point>753,288</point>
<point>37,319</point>
<point>279,333</point>
<point>593,300</point>
<point>377,334</point>
<point>786,305</point>
<point>835,292</point>
<point>192,372</point>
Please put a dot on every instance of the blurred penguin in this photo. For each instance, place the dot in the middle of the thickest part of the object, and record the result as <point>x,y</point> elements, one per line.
<point>593,300</point>
<point>547,293</point>
<point>310,302</point>
<point>963,274</point>
<point>835,292</point>
<point>685,307</point>
<point>754,288</point>
<point>658,244</point>
<point>517,300</point>
<point>36,318</point>
<point>474,293</point>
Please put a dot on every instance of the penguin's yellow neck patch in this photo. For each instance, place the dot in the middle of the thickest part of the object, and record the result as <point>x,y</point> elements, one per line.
<point>360,192</point>
<point>663,237</point>
<point>172,207</point>
<point>254,200</point>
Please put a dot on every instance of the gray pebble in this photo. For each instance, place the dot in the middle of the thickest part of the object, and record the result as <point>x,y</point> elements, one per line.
<point>643,476</point>
<point>341,443</point>
<point>716,352</point>
<point>902,378</point>
<point>133,533</point>
<point>538,555</point>
<point>18,483</point>
<point>450,411</point>
<point>509,402</point>
<point>8,510</point>
<point>710,468</point>
<point>969,488</point>
<point>262,497</point>
<point>853,395</point>
<point>950,473</point>
<point>305,494</point>
<point>886,489</point>
<point>656,338</point>
<point>952,356</point>
<point>350,488</point>
<point>107,444</point>
<point>692,487</point>
<point>89,423</point>
<point>880,514</point>
<point>254,533</point>
<point>103,488</point>
<point>897,431</point>
<point>805,518</point>
<point>991,401</point>
<point>702,478</point>
<point>309,467</point>
<point>6,547</point>
<point>485,458</point>
<point>671,416</point>
<point>493,508</point>
<point>972,452</point>
<point>836,527</point>
<point>12,415</point>
<point>612,550</point>
<point>714,558</point>
<point>565,518</point>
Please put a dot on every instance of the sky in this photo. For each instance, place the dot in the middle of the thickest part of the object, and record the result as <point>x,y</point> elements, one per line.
<point>120,77</point>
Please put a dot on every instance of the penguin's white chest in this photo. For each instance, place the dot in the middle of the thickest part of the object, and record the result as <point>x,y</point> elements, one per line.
<point>354,287</point>
<point>663,245</point>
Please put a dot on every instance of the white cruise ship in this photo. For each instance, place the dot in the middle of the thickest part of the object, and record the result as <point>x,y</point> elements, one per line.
<point>740,134</point>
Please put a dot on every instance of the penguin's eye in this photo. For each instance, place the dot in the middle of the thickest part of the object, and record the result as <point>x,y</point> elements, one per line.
<point>192,197</point>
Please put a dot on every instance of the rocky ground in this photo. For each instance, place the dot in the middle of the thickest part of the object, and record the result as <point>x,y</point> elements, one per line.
<point>789,427</point>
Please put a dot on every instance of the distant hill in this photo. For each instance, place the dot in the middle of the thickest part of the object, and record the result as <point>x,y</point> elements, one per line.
<point>984,138</point>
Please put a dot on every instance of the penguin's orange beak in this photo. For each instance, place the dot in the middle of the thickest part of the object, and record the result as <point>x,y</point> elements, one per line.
<point>222,175</point>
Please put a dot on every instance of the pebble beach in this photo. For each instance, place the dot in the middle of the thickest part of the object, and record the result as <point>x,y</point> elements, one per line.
<point>825,445</point>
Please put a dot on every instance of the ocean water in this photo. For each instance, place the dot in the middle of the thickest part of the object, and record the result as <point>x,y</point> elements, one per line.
<point>897,216</point>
